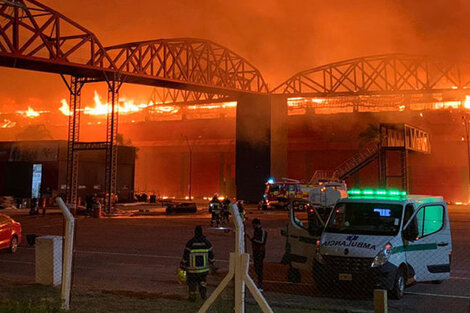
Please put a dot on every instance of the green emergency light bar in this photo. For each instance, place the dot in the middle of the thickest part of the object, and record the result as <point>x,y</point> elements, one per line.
<point>376,192</point>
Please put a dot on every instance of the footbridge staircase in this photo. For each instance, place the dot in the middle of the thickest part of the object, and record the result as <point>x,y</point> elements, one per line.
<point>401,138</point>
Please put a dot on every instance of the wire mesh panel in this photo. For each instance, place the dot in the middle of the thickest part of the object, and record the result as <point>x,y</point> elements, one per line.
<point>339,271</point>
<point>30,254</point>
<point>129,261</point>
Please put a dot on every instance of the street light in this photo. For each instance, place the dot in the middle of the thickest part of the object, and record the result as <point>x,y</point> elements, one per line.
<point>467,134</point>
<point>190,166</point>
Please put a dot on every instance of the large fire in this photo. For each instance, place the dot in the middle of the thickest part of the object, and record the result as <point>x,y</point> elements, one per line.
<point>102,109</point>
<point>296,106</point>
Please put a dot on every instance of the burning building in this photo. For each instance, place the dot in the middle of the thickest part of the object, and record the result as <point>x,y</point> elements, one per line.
<point>181,147</point>
<point>31,169</point>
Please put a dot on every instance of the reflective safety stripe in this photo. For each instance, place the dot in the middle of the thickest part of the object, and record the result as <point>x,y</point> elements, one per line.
<point>199,250</point>
<point>263,237</point>
<point>414,247</point>
<point>195,256</point>
<point>196,271</point>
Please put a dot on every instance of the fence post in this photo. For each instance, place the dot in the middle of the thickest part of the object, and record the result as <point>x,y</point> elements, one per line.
<point>239,262</point>
<point>380,301</point>
<point>68,254</point>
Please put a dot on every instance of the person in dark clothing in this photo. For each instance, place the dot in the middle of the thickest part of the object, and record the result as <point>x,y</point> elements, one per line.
<point>89,204</point>
<point>215,210</point>
<point>198,259</point>
<point>225,213</point>
<point>241,210</point>
<point>258,243</point>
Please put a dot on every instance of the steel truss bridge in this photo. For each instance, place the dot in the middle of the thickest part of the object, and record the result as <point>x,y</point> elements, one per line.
<point>389,74</point>
<point>36,37</point>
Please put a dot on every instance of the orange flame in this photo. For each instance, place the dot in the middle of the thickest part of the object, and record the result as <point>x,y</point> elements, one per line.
<point>65,108</point>
<point>296,106</point>
<point>101,108</point>
<point>7,124</point>
<point>31,113</point>
<point>466,103</point>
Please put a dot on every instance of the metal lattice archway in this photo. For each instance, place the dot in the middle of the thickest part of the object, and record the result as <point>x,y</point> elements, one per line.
<point>378,75</point>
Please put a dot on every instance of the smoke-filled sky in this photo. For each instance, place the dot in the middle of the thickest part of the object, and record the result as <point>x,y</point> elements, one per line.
<point>280,37</point>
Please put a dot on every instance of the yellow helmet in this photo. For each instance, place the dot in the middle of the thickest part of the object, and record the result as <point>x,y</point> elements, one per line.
<point>181,276</point>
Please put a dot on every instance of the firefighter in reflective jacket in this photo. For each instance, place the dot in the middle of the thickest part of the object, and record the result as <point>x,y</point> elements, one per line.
<point>198,259</point>
<point>215,208</point>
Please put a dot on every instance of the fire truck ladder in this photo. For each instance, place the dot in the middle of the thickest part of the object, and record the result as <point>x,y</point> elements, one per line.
<point>74,146</point>
<point>393,137</point>
<point>319,175</point>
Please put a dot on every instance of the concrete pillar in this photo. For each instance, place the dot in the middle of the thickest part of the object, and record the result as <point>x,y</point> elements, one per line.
<point>261,143</point>
<point>279,131</point>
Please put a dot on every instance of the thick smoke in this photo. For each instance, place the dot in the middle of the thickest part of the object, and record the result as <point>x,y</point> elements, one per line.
<point>279,37</point>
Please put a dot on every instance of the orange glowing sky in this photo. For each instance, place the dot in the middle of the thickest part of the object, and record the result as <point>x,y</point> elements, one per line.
<point>280,37</point>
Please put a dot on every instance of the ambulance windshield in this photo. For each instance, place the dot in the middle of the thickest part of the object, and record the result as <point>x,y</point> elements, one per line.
<point>365,219</point>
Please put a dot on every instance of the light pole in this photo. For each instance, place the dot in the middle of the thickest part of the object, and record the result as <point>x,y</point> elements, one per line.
<point>467,135</point>
<point>190,166</point>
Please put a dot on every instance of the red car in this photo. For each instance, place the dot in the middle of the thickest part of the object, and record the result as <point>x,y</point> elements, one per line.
<point>10,233</point>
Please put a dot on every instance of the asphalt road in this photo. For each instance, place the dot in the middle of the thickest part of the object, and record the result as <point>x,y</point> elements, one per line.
<point>141,254</point>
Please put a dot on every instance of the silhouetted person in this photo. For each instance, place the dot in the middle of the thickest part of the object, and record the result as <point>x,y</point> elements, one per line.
<point>258,243</point>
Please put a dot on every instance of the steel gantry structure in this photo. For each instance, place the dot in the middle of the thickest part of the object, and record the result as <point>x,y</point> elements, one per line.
<point>36,37</point>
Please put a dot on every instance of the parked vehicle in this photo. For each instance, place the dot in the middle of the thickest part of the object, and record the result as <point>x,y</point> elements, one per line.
<point>10,233</point>
<point>307,219</point>
<point>278,194</point>
<point>181,207</point>
<point>386,239</point>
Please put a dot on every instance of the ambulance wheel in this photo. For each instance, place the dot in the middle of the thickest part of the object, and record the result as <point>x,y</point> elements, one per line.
<point>398,289</point>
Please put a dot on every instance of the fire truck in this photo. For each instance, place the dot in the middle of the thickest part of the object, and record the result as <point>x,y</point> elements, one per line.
<point>278,194</point>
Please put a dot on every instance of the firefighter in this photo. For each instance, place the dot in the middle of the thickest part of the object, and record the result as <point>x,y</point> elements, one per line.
<point>225,213</point>
<point>198,259</point>
<point>241,210</point>
<point>215,209</point>
<point>258,243</point>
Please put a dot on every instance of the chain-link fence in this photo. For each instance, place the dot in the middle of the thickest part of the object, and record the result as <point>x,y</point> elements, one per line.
<point>128,261</point>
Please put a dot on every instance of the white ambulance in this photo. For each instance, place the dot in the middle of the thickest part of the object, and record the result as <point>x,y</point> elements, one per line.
<point>386,239</point>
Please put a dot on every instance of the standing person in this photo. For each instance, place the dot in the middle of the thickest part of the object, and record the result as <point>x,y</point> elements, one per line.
<point>225,210</point>
<point>89,205</point>
<point>258,243</point>
<point>96,206</point>
<point>198,258</point>
<point>214,209</point>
